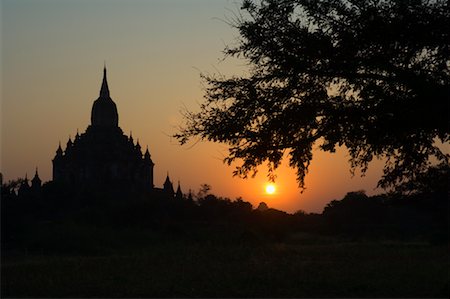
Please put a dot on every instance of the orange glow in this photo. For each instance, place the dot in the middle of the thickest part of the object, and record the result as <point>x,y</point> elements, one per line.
<point>151,77</point>
<point>270,189</point>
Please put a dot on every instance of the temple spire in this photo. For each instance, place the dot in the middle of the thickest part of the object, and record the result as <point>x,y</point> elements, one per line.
<point>168,186</point>
<point>36,181</point>
<point>147,154</point>
<point>104,91</point>
<point>179,193</point>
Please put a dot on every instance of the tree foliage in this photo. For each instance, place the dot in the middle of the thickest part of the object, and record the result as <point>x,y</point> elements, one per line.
<point>370,75</point>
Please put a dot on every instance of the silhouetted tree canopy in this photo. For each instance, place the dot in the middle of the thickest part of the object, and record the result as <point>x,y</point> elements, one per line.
<point>370,75</point>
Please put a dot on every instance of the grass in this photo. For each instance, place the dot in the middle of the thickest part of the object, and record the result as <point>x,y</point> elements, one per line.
<point>154,264</point>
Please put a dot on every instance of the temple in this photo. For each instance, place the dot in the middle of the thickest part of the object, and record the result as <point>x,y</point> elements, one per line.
<point>103,155</point>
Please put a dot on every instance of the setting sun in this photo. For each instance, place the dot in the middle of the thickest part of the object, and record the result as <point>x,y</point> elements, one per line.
<point>270,189</point>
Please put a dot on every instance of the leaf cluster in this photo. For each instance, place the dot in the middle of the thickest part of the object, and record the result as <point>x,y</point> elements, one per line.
<point>370,75</point>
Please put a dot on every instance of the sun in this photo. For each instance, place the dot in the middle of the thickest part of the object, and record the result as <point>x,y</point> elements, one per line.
<point>270,189</point>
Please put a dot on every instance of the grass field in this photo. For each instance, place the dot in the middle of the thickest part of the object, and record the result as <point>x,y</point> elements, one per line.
<point>204,265</point>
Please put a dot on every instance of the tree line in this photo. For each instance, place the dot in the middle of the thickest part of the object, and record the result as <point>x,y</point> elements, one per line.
<point>419,215</point>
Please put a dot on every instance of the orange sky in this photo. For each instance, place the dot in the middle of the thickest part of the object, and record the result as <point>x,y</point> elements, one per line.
<point>52,55</point>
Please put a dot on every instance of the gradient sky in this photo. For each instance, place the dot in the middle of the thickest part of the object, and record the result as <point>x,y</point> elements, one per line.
<point>52,55</point>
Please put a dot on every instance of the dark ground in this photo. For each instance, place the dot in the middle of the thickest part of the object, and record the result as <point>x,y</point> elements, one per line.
<point>176,263</point>
<point>136,246</point>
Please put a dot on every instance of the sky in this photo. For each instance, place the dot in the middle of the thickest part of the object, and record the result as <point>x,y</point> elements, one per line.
<point>52,56</point>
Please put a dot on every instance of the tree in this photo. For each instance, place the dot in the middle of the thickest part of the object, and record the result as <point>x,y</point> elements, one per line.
<point>435,181</point>
<point>370,75</point>
<point>10,188</point>
<point>204,190</point>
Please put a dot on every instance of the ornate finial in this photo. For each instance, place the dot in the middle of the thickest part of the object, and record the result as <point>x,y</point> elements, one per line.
<point>69,143</point>
<point>36,176</point>
<point>36,181</point>
<point>147,155</point>
<point>59,150</point>
<point>104,91</point>
<point>179,193</point>
<point>167,181</point>
<point>131,137</point>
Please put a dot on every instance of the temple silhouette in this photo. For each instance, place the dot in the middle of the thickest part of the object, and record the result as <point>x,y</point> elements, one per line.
<point>104,157</point>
